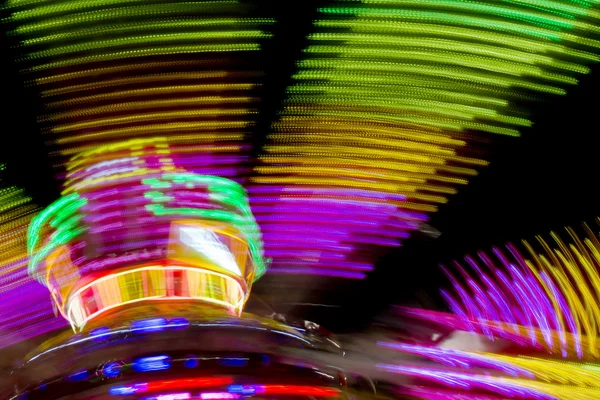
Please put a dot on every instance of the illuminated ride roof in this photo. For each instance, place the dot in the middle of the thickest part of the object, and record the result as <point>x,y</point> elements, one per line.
<point>132,226</point>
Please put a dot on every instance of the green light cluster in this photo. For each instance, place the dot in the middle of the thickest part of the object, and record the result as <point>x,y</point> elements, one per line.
<point>411,49</point>
<point>228,194</point>
<point>65,218</point>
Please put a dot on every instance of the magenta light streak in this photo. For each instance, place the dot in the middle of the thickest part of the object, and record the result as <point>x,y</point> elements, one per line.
<point>470,308</point>
<point>566,311</point>
<point>483,304</point>
<point>327,209</point>
<point>455,307</point>
<point>464,358</point>
<point>535,307</point>
<point>208,159</point>
<point>505,310</point>
<point>218,396</point>
<point>324,237</point>
<point>286,190</point>
<point>48,324</point>
<point>151,228</point>
<point>97,218</point>
<point>13,274</point>
<point>181,194</point>
<point>123,182</point>
<point>294,251</point>
<point>296,262</point>
<point>489,306</point>
<point>301,229</point>
<point>511,296</point>
<point>424,393</point>
<point>484,311</point>
<point>281,203</point>
<point>125,224</point>
<point>377,241</point>
<point>105,194</point>
<point>466,381</point>
<point>546,305</point>
<point>312,243</point>
<point>224,172</point>
<point>550,315</point>
<point>24,320</point>
<point>317,271</point>
<point>523,302</point>
<point>334,220</point>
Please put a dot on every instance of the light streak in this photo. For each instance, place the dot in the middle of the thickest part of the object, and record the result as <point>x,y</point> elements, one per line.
<point>384,101</point>
<point>122,192</point>
<point>553,294</point>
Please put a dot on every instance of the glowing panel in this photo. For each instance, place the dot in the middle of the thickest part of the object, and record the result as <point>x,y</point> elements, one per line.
<point>210,245</point>
<point>153,283</point>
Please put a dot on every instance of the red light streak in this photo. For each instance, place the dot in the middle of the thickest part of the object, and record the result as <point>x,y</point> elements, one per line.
<point>299,390</point>
<point>190,383</point>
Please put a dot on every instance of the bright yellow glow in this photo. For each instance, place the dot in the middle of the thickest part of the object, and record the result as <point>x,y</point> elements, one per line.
<point>111,291</point>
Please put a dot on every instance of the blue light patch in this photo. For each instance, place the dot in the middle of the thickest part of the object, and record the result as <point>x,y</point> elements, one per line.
<point>265,360</point>
<point>99,333</point>
<point>155,363</point>
<point>234,362</point>
<point>191,362</point>
<point>241,389</point>
<point>111,370</point>
<point>150,325</point>
<point>127,390</point>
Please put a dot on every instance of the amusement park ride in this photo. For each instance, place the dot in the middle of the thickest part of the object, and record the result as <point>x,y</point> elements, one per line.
<point>200,145</point>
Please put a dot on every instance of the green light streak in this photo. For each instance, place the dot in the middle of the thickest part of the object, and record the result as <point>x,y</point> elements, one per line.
<point>221,190</point>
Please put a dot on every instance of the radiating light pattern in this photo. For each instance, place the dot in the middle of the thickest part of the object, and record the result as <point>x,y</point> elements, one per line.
<point>487,375</point>
<point>19,319</point>
<point>388,112</point>
<point>538,304</point>
<point>110,70</point>
<point>546,295</point>
<point>135,226</point>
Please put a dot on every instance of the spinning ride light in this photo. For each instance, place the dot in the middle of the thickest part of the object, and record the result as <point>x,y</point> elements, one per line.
<point>523,372</point>
<point>544,299</point>
<point>535,310</point>
<point>18,319</point>
<point>108,71</point>
<point>384,118</point>
<point>132,226</point>
<point>389,111</point>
